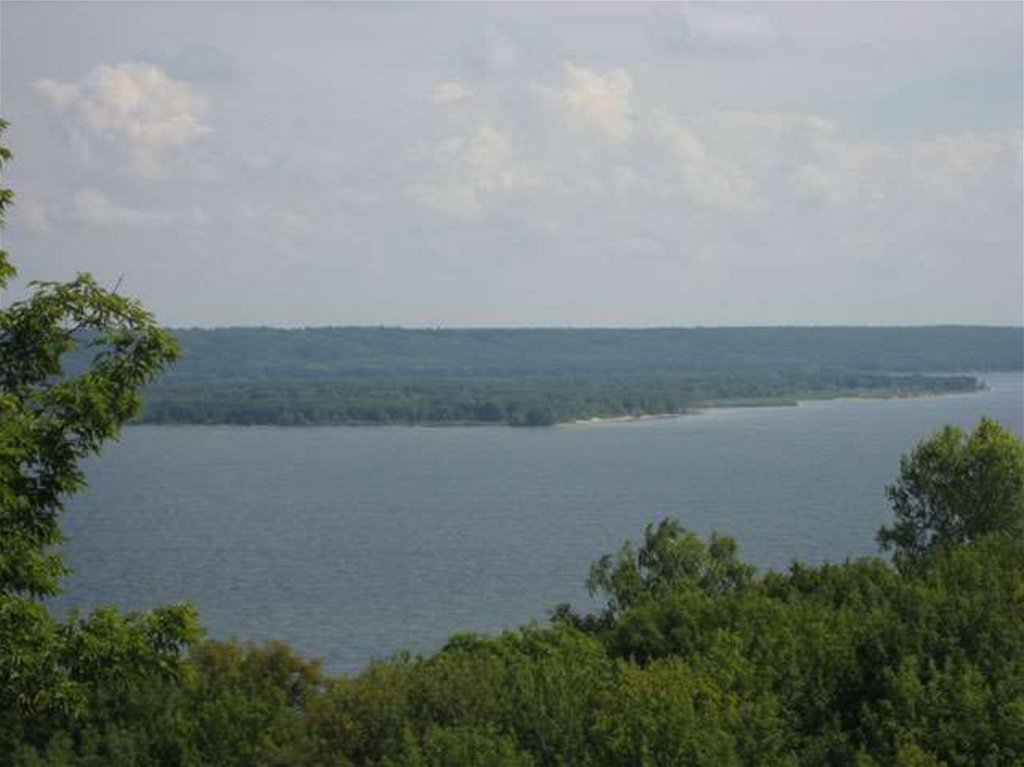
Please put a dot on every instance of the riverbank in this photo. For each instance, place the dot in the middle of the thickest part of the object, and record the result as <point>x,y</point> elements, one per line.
<point>516,402</point>
<point>700,408</point>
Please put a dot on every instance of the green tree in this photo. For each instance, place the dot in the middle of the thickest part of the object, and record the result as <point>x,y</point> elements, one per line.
<point>670,559</point>
<point>954,488</point>
<point>50,420</point>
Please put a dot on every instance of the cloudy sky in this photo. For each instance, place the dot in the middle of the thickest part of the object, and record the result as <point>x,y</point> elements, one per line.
<point>522,164</point>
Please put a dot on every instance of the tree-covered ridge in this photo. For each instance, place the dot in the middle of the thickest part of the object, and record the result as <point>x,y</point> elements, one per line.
<point>539,377</point>
<point>516,402</point>
<point>253,354</point>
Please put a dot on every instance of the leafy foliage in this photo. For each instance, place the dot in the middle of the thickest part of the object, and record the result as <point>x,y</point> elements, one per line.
<point>672,560</point>
<point>954,488</point>
<point>53,675</point>
<point>850,664</point>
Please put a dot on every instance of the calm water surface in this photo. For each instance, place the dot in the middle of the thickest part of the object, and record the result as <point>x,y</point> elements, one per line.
<point>354,543</point>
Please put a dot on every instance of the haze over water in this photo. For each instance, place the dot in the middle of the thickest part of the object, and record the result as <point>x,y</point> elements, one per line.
<point>352,543</point>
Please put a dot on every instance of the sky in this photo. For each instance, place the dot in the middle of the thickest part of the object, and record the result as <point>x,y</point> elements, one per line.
<point>531,164</point>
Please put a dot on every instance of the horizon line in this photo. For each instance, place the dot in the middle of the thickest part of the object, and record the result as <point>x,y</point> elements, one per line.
<point>639,328</point>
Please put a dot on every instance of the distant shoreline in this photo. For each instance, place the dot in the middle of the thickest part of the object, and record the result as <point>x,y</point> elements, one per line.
<point>702,408</point>
<point>228,412</point>
<point>364,377</point>
<point>597,420</point>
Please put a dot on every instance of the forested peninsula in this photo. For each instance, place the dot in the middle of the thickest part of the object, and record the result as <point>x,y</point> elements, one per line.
<point>540,377</point>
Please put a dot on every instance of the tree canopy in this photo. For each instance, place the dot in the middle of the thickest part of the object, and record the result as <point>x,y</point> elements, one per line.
<point>49,422</point>
<point>954,488</point>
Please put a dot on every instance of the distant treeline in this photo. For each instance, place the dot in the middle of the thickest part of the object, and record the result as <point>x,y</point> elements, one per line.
<point>258,354</point>
<point>537,377</point>
<point>528,402</point>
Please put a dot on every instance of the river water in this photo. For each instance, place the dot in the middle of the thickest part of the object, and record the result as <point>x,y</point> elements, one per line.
<point>353,543</point>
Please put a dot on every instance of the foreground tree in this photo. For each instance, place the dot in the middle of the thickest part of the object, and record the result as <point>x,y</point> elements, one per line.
<point>955,488</point>
<point>670,559</point>
<point>49,421</point>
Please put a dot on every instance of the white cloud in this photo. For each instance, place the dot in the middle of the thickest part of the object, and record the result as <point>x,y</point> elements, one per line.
<point>91,206</point>
<point>60,96</point>
<point>704,176</point>
<point>758,158</point>
<point>719,24</point>
<point>489,160</point>
<point>762,168</point>
<point>969,154</point>
<point>845,170</point>
<point>469,170</point>
<point>599,103</point>
<point>450,92</point>
<point>133,102</point>
<point>753,164</point>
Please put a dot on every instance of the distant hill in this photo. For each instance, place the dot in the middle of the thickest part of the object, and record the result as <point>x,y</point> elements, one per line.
<point>262,354</point>
<point>537,377</point>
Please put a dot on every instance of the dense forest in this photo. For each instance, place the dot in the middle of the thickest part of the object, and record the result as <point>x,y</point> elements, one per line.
<point>703,664</point>
<point>515,402</point>
<point>254,354</point>
<point>545,376</point>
